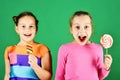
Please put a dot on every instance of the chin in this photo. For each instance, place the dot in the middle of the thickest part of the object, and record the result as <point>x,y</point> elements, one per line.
<point>82,43</point>
<point>28,40</point>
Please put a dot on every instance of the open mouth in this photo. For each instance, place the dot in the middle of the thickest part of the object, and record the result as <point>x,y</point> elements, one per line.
<point>82,38</point>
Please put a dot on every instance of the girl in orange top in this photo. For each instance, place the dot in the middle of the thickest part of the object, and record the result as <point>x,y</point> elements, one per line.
<point>28,60</point>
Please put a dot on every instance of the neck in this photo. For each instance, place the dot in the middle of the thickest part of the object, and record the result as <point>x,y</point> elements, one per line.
<point>23,43</point>
<point>89,42</point>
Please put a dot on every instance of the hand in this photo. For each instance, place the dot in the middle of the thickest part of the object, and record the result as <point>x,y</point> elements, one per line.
<point>32,60</point>
<point>108,61</point>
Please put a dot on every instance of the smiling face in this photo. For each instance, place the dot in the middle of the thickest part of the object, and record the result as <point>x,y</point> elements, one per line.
<point>26,29</point>
<point>81,29</point>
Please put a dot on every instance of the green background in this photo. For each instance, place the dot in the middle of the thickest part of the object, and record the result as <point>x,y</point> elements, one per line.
<point>53,16</point>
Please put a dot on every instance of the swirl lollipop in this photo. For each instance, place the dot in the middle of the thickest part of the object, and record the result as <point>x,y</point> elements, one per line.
<point>106,41</point>
<point>29,48</point>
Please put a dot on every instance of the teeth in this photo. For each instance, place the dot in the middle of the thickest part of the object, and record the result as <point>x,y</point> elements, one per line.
<point>27,34</point>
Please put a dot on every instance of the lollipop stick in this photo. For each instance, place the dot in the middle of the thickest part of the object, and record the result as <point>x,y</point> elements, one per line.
<point>106,50</point>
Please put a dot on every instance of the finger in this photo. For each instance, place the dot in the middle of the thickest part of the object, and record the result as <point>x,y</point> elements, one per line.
<point>33,59</point>
<point>108,60</point>
<point>30,59</point>
<point>108,57</point>
<point>107,63</point>
<point>30,62</point>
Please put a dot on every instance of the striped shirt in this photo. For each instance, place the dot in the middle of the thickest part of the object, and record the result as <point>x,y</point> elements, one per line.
<point>18,57</point>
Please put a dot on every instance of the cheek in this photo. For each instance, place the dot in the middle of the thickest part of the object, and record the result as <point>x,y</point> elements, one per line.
<point>75,33</point>
<point>17,29</point>
<point>34,32</point>
<point>89,32</point>
<point>21,31</point>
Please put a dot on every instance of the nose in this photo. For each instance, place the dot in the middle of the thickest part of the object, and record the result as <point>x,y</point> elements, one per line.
<point>81,32</point>
<point>27,29</point>
<point>82,29</point>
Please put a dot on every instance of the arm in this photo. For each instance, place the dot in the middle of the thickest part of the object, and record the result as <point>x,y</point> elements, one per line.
<point>60,71</point>
<point>44,72</point>
<point>7,64</point>
<point>103,68</point>
<point>7,70</point>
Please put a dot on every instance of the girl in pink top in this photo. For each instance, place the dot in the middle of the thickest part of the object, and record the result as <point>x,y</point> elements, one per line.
<point>82,59</point>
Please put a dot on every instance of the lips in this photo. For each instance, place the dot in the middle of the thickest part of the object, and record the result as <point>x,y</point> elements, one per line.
<point>82,38</point>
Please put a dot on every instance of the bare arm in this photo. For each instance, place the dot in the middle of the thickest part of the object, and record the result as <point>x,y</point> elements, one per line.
<point>44,72</point>
<point>7,70</point>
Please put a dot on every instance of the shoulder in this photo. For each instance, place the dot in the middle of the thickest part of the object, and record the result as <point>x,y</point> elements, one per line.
<point>65,48</point>
<point>9,48</point>
<point>41,46</point>
<point>67,45</point>
<point>98,48</point>
<point>40,49</point>
<point>95,45</point>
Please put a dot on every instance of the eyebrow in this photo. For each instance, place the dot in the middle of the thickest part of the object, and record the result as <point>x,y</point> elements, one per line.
<point>78,23</point>
<point>24,24</point>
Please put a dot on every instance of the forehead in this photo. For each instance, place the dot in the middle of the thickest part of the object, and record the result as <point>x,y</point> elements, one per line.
<point>81,19</point>
<point>27,19</point>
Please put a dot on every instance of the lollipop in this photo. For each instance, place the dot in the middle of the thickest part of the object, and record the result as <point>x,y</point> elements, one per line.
<point>29,48</point>
<point>106,41</point>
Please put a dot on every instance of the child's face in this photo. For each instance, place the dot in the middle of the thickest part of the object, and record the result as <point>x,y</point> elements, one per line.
<point>26,28</point>
<point>81,29</point>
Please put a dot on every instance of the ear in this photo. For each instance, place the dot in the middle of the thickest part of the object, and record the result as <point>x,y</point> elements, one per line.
<point>71,30</point>
<point>16,29</point>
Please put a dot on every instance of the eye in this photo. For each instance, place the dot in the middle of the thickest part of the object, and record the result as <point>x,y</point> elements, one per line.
<point>23,26</point>
<point>31,26</point>
<point>85,27</point>
<point>78,27</point>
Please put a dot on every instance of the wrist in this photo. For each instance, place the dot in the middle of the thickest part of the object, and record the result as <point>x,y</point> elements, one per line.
<point>35,66</point>
<point>107,68</point>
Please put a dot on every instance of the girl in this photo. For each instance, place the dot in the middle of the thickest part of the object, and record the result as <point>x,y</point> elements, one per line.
<point>27,60</point>
<point>82,59</point>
